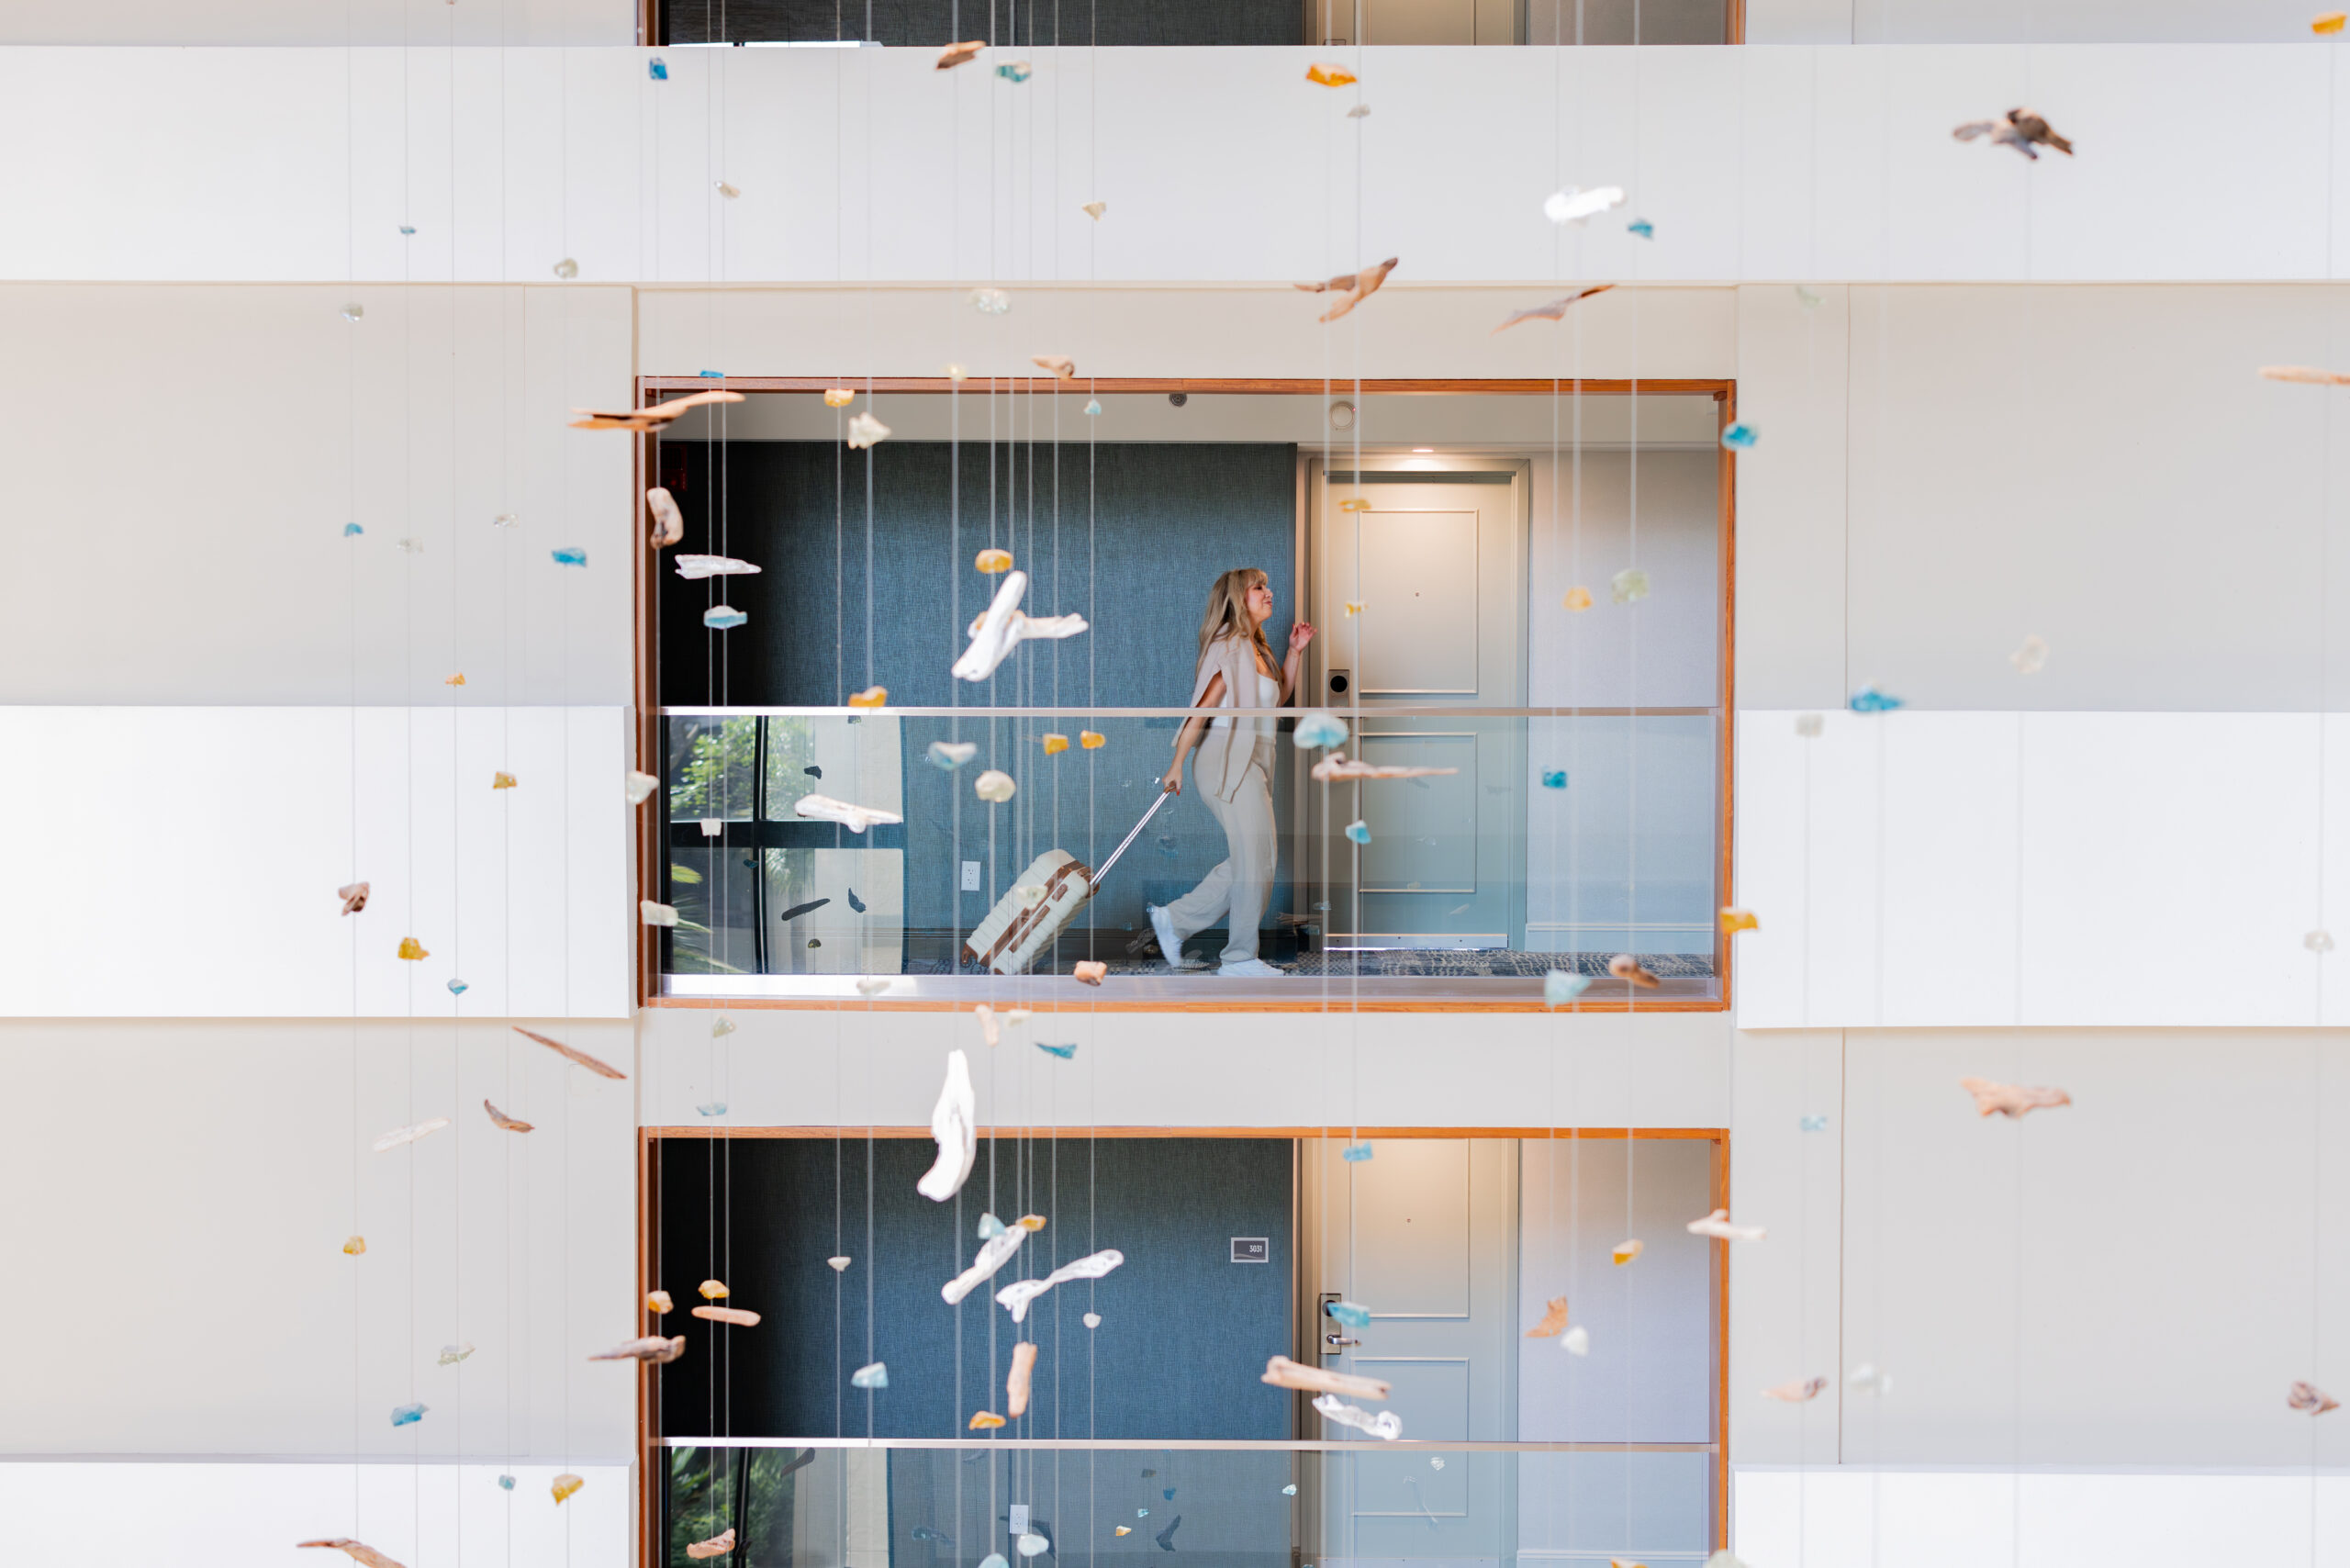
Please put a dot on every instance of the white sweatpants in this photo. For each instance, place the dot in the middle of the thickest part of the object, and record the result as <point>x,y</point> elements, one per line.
<point>1240,886</point>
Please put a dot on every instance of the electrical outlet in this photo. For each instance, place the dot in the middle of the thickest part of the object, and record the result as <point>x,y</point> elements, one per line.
<point>1019,1512</point>
<point>970,876</point>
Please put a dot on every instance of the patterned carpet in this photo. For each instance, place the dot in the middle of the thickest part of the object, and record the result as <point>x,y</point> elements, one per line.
<point>1417,963</point>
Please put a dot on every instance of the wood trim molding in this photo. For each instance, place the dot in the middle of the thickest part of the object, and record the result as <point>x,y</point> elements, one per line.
<point>1260,387</point>
<point>647,1135</point>
<point>1726,742</point>
<point>1724,391</point>
<point>1335,1006</point>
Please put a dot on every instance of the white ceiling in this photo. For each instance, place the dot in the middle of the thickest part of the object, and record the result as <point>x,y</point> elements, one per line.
<point>1454,421</point>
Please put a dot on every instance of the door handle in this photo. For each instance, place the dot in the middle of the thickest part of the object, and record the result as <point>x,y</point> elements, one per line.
<point>1337,1341</point>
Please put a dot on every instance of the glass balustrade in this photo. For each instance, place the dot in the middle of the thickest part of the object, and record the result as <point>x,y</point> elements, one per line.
<point>829,1502</point>
<point>1507,845</point>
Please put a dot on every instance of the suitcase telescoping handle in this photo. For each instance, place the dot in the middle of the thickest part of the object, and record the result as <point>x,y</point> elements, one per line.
<point>1095,880</point>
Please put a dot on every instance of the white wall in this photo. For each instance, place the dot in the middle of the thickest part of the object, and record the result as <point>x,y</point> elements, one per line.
<point>1209,330</point>
<point>2030,1289</point>
<point>2020,1281</point>
<point>183,862</point>
<point>202,23</point>
<point>187,1187</point>
<point>2062,869</point>
<point>2023,21</point>
<point>1944,470</point>
<point>1753,164</point>
<point>235,1514</point>
<point>791,1067</point>
<point>1944,1519</point>
<point>199,449</point>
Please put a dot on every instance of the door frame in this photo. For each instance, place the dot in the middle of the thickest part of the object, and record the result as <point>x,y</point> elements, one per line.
<point>1306,1307</point>
<point>1317,469</point>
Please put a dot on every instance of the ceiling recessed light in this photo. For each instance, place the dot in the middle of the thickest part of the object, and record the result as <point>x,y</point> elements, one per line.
<point>1424,449</point>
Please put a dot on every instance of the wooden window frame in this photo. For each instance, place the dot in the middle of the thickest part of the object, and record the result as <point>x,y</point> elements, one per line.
<point>649,745</point>
<point>652,1545</point>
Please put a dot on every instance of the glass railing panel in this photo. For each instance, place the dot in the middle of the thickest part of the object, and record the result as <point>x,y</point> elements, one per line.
<point>1533,841</point>
<point>830,1503</point>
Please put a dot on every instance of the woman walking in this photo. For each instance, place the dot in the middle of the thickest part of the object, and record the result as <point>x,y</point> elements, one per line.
<point>1234,770</point>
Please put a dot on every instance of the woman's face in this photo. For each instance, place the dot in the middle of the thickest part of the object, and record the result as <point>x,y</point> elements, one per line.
<point>1259,601</point>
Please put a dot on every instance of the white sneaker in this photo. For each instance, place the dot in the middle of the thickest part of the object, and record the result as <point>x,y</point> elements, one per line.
<point>1163,927</point>
<point>1253,969</point>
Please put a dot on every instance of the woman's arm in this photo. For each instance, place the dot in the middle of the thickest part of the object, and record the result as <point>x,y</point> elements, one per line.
<point>1189,735</point>
<point>1299,635</point>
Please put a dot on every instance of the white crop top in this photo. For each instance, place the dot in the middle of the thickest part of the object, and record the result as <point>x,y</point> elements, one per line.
<point>1268,695</point>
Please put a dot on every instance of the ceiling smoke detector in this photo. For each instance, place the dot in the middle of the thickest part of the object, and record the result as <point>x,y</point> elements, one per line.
<point>1342,415</point>
<point>1179,398</point>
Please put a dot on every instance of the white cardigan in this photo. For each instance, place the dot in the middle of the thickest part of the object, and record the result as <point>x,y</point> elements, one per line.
<point>1225,752</point>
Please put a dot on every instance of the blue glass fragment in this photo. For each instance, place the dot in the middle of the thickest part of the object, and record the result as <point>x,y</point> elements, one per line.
<point>1014,71</point>
<point>1167,846</point>
<point>570,555</point>
<point>352,530</point>
<point>1741,438</point>
<point>723,618</point>
<point>407,1415</point>
<point>875,1375</point>
<point>1559,987</point>
<point>1319,730</point>
<point>1355,1153</point>
<point>1555,780</point>
<point>711,374</point>
<point>1093,406</point>
<point>1354,1315</point>
<point>989,1227</point>
<point>1142,1513</point>
<point>1814,1124</point>
<point>813,771</point>
<point>505,1483</point>
<point>1642,227</point>
<point>1290,1490</point>
<point>657,68</point>
<point>1869,699</point>
<point>855,904</point>
<point>924,1533</point>
<point>1169,1494</point>
<point>715,1108</point>
<point>407,228</point>
<point>1064,1052</point>
<point>1359,831</point>
<point>458,988</point>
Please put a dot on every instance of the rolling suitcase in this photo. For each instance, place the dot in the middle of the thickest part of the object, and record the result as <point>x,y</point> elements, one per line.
<point>1024,924</point>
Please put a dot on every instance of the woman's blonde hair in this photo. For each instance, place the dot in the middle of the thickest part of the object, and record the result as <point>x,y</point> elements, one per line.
<point>1227,612</point>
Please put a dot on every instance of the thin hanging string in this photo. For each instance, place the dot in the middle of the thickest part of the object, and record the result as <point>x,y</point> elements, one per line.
<point>408,761</point>
<point>350,620</point>
<point>2317,1011</point>
<point>508,1349</point>
<point>456,881</point>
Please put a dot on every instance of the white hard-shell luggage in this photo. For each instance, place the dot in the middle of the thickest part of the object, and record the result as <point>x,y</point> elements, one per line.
<point>1024,925</point>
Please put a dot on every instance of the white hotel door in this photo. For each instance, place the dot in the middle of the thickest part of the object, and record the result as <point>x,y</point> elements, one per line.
<point>1424,1234</point>
<point>1434,559</point>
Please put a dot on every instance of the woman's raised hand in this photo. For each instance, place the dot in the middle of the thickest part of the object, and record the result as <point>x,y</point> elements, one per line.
<point>1299,635</point>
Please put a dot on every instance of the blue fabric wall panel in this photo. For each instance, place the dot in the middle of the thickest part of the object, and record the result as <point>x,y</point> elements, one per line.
<point>1184,1334</point>
<point>1168,518</point>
